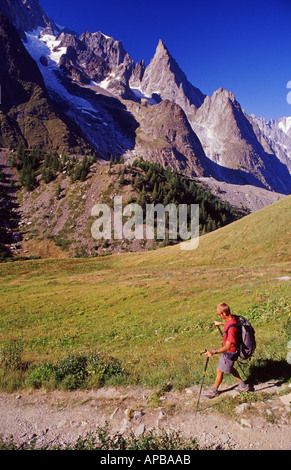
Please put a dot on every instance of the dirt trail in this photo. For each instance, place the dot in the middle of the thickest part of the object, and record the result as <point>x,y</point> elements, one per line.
<point>61,417</point>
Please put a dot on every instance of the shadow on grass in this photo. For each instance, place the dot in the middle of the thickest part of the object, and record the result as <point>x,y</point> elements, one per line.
<point>269,369</point>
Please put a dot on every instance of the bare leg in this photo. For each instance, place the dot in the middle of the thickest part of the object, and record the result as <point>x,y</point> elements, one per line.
<point>219,377</point>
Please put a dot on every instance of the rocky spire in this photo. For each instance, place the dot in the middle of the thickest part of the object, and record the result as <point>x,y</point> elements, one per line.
<point>137,74</point>
<point>164,77</point>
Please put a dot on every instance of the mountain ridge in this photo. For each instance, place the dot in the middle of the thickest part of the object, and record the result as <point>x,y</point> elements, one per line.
<point>27,15</point>
<point>105,95</point>
<point>278,135</point>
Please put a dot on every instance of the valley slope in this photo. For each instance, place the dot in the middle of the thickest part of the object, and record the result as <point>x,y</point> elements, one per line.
<point>153,310</point>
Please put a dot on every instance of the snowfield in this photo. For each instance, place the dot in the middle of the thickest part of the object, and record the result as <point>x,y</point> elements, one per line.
<point>82,111</point>
<point>47,46</point>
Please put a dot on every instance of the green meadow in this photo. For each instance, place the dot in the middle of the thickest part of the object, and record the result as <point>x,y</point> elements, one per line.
<point>153,311</point>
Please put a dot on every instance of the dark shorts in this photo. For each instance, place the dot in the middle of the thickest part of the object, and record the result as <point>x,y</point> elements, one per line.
<point>226,362</point>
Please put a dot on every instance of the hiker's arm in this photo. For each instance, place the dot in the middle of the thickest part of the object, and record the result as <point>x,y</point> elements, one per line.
<point>224,348</point>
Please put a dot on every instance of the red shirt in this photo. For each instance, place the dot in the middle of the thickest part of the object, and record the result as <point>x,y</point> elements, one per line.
<point>231,334</point>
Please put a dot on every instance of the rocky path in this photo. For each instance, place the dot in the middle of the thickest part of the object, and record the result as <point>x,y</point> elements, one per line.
<point>61,417</point>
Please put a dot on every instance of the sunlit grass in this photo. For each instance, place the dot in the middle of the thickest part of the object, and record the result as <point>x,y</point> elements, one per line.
<point>153,310</point>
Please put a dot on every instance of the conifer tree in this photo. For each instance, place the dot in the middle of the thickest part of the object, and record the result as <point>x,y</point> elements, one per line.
<point>58,191</point>
<point>155,193</point>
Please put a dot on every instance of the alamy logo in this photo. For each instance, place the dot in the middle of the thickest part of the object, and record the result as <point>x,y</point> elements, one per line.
<point>159,221</point>
<point>289,93</point>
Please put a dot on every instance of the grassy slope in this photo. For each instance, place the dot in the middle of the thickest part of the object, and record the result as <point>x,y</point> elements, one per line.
<point>128,305</point>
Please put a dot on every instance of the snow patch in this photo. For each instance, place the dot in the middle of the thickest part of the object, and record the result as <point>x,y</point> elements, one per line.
<point>107,37</point>
<point>45,46</point>
<point>139,94</point>
<point>105,83</point>
<point>285,124</point>
<point>104,35</point>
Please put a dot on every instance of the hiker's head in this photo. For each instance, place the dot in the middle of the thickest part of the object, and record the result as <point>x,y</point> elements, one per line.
<point>223,310</point>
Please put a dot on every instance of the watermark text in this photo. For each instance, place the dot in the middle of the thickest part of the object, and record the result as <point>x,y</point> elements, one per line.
<point>180,223</point>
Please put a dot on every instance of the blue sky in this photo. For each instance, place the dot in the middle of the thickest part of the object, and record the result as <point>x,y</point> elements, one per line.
<point>241,45</point>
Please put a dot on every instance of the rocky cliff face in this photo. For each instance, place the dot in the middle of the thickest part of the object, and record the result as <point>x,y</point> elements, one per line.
<point>26,15</point>
<point>27,114</point>
<point>278,135</point>
<point>239,152</point>
<point>79,62</point>
<point>165,136</point>
<point>110,50</point>
<point>98,58</point>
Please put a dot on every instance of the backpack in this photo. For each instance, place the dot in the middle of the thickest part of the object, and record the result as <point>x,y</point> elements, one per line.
<point>247,341</point>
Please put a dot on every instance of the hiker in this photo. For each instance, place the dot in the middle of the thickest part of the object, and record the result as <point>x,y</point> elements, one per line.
<point>229,351</point>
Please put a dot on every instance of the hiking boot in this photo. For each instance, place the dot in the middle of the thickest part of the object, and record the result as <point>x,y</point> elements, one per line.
<point>242,387</point>
<point>212,393</point>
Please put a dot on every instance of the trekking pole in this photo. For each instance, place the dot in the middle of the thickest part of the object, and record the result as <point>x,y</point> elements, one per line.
<point>218,327</point>
<point>204,372</point>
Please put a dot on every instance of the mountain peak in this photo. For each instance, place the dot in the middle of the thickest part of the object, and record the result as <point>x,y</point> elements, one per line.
<point>161,48</point>
<point>26,15</point>
<point>223,94</point>
<point>163,53</point>
<point>164,77</point>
